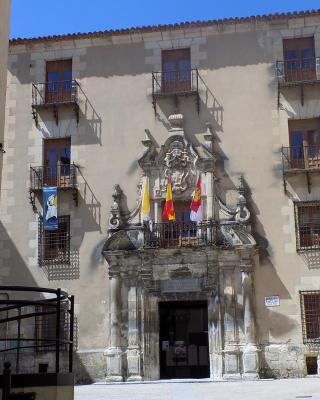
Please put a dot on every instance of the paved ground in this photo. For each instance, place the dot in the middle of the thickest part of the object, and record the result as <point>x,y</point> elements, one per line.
<point>284,389</point>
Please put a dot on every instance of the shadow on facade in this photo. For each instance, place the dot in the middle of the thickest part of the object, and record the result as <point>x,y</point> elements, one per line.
<point>61,272</point>
<point>91,123</point>
<point>311,258</point>
<point>89,204</point>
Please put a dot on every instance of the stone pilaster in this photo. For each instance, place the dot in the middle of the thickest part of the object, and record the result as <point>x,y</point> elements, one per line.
<point>134,349</point>
<point>215,336</point>
<point>250,350</point>
<point>114,352</point>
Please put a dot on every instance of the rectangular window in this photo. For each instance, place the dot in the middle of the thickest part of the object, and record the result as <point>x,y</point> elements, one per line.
<point>304,138</point>
<point>307,217</point>
<point>299,59</point>
<point>310,315</point>
<point>45,328</point>
<point>54,246</point>
<point>58,81</point>
<point>56,162</point>
<point>176,71</point>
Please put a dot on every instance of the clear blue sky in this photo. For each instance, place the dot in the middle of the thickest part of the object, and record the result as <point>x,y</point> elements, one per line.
<point>31,18</point>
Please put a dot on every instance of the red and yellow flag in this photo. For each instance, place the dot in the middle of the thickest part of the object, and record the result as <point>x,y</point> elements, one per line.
<point>196,211</point>
<point>168,210</point>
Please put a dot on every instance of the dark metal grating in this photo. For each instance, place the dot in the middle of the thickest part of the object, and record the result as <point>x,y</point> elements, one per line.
<point>290,72</point>
<point>54,246</point>
<point>310,316</point>
<point>186,234</point>
<point>307,222</point>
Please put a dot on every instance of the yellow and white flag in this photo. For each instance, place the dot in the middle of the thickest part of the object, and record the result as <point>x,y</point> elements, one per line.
<point>145,203</point>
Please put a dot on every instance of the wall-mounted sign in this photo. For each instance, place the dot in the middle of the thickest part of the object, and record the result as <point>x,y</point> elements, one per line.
<point>272,301</point>
<point>181,285</point>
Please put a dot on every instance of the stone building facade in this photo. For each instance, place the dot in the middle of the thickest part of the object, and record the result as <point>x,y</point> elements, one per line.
<point>4,31</point>
<point>236,102</point>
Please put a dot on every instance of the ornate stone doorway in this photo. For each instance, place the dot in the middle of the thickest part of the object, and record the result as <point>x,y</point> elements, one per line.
<point>184,350</point>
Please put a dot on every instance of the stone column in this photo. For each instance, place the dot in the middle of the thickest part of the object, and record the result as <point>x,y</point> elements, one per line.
<point>114,352</point>
<point>231,350</point>
<point>133,351</point>
<point>215,335</point>
<point>250,351</point>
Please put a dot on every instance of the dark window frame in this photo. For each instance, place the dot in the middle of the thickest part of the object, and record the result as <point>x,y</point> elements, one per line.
<point>310,315</point>
<point>307,234</point>
<point>45,328</point>
<point>54,246</point>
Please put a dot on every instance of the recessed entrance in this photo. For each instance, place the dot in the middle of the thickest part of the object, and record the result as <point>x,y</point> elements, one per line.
<point>184,351</point>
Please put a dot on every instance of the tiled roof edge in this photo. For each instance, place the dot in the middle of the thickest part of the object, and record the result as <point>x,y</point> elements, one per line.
<point>163,27</point>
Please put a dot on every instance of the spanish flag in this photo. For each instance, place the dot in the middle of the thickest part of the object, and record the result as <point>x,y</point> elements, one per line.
<point>196,211</point>
<point>168,210</point>
<point>145,203</point>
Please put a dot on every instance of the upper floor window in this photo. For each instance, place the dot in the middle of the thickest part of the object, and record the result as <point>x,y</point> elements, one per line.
<point>310,315</point>
<point>58,81</point>
<point>45,328</point>
<point>176,71</point>
<point>304,139</point>
<point>308,225</point>
<point>56,161</point>
<point>299,59</point>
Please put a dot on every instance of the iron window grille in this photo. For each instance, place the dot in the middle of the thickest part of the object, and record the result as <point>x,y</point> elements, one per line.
<point>307,221</point>
<point>310,315</point>
<point>45,328</point>
<point>54,246</point>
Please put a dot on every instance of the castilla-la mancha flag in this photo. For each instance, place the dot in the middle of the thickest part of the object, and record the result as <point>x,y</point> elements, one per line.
<point>168,210</point>
<point>196,209</point>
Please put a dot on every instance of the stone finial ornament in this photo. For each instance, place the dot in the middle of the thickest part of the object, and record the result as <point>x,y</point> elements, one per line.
<point>115,220</point>
<point>242,213</point>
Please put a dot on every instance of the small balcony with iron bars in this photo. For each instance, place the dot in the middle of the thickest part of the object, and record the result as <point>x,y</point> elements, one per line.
<point>300,160</point>
<point>189,234</point>
<point>54,95</point>
<point>175,84</point>
<point>63,176</point>
<point>298,73</point>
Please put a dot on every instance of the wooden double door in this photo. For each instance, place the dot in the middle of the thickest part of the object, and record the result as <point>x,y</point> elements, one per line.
<point>57,162</point>
<point>304,143</point>
<point>299,59</point>
<point>58,81</point>
<point>176,71</point>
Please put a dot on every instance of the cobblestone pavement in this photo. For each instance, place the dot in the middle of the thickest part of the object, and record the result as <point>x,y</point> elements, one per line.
<point>284,389</point>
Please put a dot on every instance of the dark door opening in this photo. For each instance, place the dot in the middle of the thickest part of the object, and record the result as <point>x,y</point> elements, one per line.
<point>184,351</point>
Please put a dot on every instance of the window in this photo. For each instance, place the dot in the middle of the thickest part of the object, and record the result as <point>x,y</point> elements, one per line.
<point>310,315</point>
<point>308,225</point>
<point>56,161</point>
<point>45,328</point>
<point>54,246</point>
<point>182,231</point>
<point>58,81</point>
<point>304,138</point>
<point>299,59</point>
<point>176,71</point>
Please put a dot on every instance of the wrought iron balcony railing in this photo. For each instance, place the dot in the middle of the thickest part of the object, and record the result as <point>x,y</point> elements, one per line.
<point>50,93</point>
<point>187,234</point>
<point>297,71</point>
<point>60,175</point>
<point>182,82</point>
<point>297,158</point>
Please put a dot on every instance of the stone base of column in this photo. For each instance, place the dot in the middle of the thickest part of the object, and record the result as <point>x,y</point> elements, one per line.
<point>216,366</point>
<point>134,364</point>
<point>114,364</point>
<point>231,363</point>
<point>250,361</point>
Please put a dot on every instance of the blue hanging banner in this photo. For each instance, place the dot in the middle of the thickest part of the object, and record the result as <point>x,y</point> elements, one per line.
<point>50,208</point>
